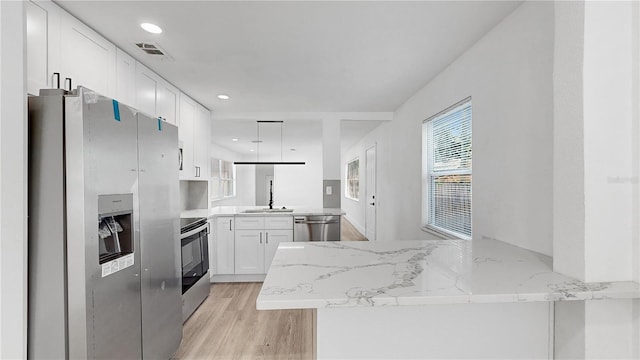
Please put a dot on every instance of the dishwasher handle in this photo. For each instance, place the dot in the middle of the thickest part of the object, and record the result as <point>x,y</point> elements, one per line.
<point>316,221</point>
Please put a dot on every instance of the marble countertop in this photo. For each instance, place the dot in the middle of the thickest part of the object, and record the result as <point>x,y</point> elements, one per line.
<point>398,273</point>
<point>239,210</point>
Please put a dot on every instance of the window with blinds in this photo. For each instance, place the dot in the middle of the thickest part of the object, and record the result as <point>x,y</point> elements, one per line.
<point>352,183</point>
<point>446,171</point>
<point>223,179</point>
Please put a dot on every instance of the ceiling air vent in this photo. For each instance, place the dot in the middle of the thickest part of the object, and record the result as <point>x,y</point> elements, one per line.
<point>151,49</point>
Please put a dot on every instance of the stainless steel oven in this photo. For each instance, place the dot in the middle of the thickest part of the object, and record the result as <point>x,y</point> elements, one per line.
<point>194,233</point>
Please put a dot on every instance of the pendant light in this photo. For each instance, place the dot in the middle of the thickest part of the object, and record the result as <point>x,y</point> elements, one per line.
<point>258,162</point>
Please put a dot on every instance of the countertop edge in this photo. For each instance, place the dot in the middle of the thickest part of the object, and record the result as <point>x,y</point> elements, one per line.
<point>262,304</point>
<point>213,212</point>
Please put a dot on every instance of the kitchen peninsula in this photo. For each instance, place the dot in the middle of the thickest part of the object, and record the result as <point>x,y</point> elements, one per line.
<point>427,299</point>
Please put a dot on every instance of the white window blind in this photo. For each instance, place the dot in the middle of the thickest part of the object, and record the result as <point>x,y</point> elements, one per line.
<point>223,179</point>
<point>446,171</point>
<point>352,186</point>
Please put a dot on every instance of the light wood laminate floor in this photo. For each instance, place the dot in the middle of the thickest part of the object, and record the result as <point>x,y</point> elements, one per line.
<point>228,326</point>
<point>348,232</point>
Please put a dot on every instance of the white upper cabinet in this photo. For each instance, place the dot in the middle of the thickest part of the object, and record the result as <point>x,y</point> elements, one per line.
<point>87,58</point>
<point>58,43</point>
<point>156,96</point>
<point>185,135</point>
<point>168,100</point>
<point>43,45</point>
<point>125,78</point>
<point>202,137</point>
<point>146,89</point>
<point>193,133</point>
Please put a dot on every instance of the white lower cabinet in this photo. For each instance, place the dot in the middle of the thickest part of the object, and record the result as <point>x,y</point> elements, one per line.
<point>273,238</point>
<point>256,241</point>
<point>222,247</point>
<point>249,251</point>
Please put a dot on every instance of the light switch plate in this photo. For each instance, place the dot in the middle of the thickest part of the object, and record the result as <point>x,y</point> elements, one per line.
<point>329,190</point>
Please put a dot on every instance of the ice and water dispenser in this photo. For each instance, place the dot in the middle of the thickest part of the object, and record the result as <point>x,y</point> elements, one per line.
<point>115,232</point>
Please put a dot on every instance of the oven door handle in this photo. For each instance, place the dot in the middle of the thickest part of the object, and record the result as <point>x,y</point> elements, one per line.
<point>204,227</point>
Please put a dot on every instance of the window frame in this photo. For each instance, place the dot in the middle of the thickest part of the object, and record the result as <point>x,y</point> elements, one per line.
<point>218,180</point>
<point>347,193</point>
<point>428,173</point>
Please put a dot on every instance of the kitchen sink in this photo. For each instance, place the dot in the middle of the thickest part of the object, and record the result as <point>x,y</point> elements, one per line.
<point>259,211</point>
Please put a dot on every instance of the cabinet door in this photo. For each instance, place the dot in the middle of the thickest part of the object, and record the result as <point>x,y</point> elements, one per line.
<point>201,140</point>
<point>87,58</point>
<point>272,239</point>
<point>146,89</point>
<point>224,246</point>
<point>249,254</point>
<point>125,78</point>
<point>43,45</point>
<point>185,135</point>
<point>168,98</point>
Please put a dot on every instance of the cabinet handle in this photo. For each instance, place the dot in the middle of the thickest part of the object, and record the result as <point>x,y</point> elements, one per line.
<point>57,75</point>
<point>261,238</point>
<point>229,224</point>
<point>267,238</point>
<point>65,83</point>
<point>197,171</point>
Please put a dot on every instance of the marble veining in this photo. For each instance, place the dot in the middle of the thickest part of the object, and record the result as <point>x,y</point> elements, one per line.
<point>350,274</point>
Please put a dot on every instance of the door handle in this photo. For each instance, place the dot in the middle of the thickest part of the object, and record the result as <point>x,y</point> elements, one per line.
<point>229,224</point>
<point>261,238</point>
<point>267,238</point>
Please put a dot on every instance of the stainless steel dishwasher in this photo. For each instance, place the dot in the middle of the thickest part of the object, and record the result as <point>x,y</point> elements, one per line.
<point>316,228</point>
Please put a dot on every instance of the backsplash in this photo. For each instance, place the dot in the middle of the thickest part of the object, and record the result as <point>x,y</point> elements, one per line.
<point>194,195</point>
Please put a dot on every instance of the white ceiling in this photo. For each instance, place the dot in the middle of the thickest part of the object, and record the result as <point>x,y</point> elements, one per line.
<point>282,57</point>
<point>301,135</point>
<point>362,56</point>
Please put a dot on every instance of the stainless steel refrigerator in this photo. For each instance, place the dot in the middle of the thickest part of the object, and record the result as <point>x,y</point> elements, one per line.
<point>104,244</point>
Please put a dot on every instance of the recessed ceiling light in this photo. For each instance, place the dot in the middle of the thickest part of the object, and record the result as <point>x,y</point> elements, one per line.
<point>152,28</point>
<point>234,139</point>
<point>223,97</point>
<point>251,150</point>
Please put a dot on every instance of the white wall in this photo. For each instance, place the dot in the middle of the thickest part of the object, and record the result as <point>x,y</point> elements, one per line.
<point>245,178</point>
<point>300,185</point>
<point>508,74</point>
<point>608,120</point>
<point>13,184</point>
<point>596,161</point>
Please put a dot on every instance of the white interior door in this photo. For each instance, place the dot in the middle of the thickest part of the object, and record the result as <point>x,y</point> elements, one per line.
<point>370,215</point>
